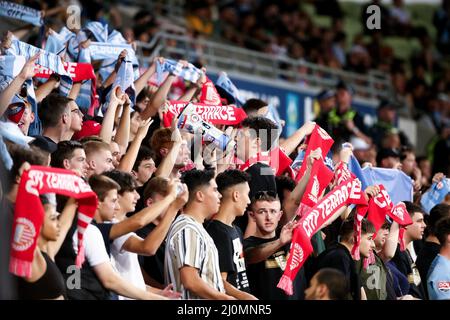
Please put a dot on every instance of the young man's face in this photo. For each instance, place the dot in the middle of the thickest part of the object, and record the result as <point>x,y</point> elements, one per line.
<point>76,117</point>
<point>109,206</point>
<point>145,170</point>
<point>127,201</point>
<point>101,161</point>
<point>266,214</point>
<point>409,163</point>
<point>246,144</point>
<point>242,193</point>
<point>416,229</point>
<point>366,245</point>
<point>211,198</point>
<point>26,120</point>
<point>115,152</point>
<point>77,163</point>
<point>315,290</point>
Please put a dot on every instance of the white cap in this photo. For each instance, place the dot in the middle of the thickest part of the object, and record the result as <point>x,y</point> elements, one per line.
<point>358,143</point>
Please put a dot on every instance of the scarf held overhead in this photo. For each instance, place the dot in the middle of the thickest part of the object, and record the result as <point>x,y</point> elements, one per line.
<point>229,115</point>
<point>29,212</point>
<point>319,139</point>
<point>323,213</point>
<point>20,12</point>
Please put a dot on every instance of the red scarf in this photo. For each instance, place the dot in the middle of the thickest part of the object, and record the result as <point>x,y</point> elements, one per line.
<point>209,94</point>
<point>229,115</point>
<point>29,212</point>
<point>325,211</point>
<point>321,176</point>
<point>319,139</point>
<point>78,72</point>
<point>276,159</point>
<point>381,205</point>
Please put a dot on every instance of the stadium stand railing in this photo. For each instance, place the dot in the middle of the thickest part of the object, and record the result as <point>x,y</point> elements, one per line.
<point>372,86</point>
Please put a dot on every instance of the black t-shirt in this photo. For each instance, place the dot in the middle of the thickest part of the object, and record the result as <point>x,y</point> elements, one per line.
<point>153,265</point>
<point>262,179</point>
<point>424,259</point>
<point>406,265</point>
<point>265,275</point>
<point>228,241</point>
<point>338,257</point>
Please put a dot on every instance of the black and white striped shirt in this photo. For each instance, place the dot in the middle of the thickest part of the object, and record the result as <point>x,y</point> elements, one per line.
<point>188,244</point>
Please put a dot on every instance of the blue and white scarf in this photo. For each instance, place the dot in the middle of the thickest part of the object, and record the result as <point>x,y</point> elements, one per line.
<point>20,12</point>
<point>46,59</point>
<point>435,194</point>
<point>226,84</point>
<point>99,30</point>
<point>10,67</point>
<point>190,73</point>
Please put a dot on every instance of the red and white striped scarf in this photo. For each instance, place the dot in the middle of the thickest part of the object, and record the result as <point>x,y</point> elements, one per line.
<point>29,212</point>
<point>214,114</point>
<point>349,192</point>
<point>319,138</point>
<point>78,72</point>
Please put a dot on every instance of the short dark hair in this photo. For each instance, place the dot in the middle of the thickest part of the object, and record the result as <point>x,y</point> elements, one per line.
<point>230,178</point>
<point>443,230</point>
<point>347,227</point>
<point>144,153</point>
<point>258,123</point>
<point>101,185</point>
<point>335,281</point>
<point>32,155</point>
<point>51,109</point>
<point>195,179</point>
<point>64,150</point>
<point>412,208</point>
<point>125,180</point>
<point>284,183</point>
<point>253,105</point>
<point>438,212</point>
<point>269,196</point>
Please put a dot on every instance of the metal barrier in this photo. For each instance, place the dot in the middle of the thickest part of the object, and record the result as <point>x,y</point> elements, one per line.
<point>372,86</point>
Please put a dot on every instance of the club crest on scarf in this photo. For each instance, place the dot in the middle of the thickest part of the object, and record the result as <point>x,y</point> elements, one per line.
<point>24,235</point>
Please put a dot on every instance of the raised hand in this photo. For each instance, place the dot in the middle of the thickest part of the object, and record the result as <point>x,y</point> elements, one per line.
<point>286,232</point>
<point>29,68</point>
<point>372,191</point>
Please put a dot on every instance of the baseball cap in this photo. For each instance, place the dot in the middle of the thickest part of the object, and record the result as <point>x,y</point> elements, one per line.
<point>16,109</point>
<point>343,85</point>
<point>325,94</point>
<point>89,128</point>
<point>387,104</point>
<point>359,144</point>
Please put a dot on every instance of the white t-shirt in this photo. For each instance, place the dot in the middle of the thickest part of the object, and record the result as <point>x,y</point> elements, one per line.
<point>126,263</point>
<point>94,247</point>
